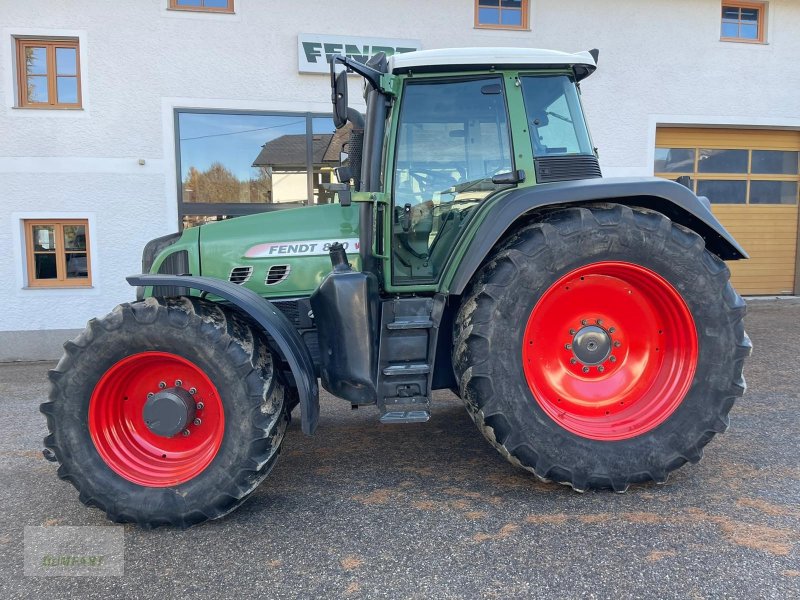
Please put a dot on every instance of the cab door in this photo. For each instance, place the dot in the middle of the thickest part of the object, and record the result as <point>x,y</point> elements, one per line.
<point>452,137</point>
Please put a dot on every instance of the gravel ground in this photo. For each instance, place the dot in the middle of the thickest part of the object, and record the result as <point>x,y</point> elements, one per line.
<point>413,511</point>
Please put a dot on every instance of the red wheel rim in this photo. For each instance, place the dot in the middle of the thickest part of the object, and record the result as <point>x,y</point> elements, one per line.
<point>610,351</point>
<point>124,441</point>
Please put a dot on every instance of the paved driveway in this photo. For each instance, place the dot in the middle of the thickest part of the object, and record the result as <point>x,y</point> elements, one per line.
<point>412,511</point>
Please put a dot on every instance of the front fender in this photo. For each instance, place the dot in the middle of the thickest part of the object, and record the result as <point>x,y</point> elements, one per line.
<point>664,196</point>
<point>272,321</point>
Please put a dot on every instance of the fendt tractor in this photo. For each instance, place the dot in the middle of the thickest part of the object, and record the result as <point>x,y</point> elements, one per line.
<point>587,323</point>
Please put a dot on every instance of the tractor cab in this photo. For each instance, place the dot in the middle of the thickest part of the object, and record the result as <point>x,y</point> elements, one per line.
<point>457,128</point>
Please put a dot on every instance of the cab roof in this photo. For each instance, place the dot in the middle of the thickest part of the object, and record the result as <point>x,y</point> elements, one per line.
<point>470,59</point>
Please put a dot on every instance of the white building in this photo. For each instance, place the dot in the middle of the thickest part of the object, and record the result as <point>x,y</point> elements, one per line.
<point>114,113</point>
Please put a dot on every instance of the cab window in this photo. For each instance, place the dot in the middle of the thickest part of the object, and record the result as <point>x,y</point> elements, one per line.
<point>555,117</point>
<point>452,138</point>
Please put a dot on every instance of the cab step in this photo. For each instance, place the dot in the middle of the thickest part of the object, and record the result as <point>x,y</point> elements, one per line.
<point>405,416</point>
<point>407,369</point>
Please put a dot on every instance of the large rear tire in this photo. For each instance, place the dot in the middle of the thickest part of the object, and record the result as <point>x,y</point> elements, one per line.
<point>166,412</point>
<point>601,347</point>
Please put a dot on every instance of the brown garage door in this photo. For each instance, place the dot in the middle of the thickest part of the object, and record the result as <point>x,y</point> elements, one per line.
<point>752,178</point>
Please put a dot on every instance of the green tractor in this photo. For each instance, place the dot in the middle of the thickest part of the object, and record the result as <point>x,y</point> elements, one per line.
<point>587,323</point>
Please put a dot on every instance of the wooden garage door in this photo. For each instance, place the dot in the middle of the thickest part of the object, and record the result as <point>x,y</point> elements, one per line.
<point>752,178</point>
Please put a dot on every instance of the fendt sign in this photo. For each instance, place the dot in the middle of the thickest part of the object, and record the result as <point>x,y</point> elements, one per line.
<point>314,51</point>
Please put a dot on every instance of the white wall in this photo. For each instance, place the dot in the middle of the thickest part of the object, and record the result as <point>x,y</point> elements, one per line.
<point>660,61</point>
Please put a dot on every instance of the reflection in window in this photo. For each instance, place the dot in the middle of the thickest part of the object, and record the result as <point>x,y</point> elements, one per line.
<point>202,5</point>
<point>722,161</point>
<point>723,192</point>
<point>504,14</point>
<point>773,192</point>
<point>774,162</point>
<point>58,253</point>
<point>733,176</point>
<point>242,158</point>
<point>49,73</point>
<point>743,21</point>
<point>674,160</point>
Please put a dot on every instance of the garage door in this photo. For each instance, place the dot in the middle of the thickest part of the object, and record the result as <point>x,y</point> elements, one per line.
<point>752,178</point>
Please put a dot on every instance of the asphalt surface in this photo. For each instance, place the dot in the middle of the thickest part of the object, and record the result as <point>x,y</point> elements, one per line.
<point>432,511</point>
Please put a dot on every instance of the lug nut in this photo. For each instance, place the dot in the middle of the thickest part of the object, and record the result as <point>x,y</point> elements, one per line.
<point>178,383</point>
<point>185,432</point>
<point>599,321</point>
<point>572,332</point>
<point>617,344</point>
<point>585,369</point>
<point>573,361</point>
<point>150,394</point>
<point>197,421</point>
<point>584,322</point>
<point>613,359</point>
<point>193,391</point>
<point>568,346</point>
<point>612,329</point>
<point>200,406</point>
<point>162,385</point>
<point>601,368</point>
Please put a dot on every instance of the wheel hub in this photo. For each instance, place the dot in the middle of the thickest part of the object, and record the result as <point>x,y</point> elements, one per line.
<point>591,345</point>
<point>168,412</point>
<point>610,350</point>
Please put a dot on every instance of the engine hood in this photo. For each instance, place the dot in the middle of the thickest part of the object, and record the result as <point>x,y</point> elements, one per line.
<point>282,253</point>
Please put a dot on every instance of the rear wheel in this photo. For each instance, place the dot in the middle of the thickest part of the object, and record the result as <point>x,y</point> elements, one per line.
<point>166,412</point>
<point>601,347</point>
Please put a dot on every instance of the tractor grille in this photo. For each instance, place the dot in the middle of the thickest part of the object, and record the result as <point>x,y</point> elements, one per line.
<point>240,275</point>
<point>277,273</point>
<point>290,309</point>
<point>566,168</point>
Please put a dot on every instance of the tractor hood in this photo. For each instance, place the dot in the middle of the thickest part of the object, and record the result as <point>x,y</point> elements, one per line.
<point>282,253</point>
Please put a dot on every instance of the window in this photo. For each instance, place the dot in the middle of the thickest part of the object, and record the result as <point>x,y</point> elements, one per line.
<point>733,175</point>
<point>58,253</point>
<point>239,163</point>
<point>49,73</point>
<point>554,115</point>
<point>202,5</point>
<point>452,137</point>
<point>743,21</point>
<point>501,14</point>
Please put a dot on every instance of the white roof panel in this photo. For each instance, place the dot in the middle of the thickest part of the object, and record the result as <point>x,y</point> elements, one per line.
<point>471,57</point>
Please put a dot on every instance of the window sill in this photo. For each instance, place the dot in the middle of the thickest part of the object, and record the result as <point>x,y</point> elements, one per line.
<point>54,108</point>
<point>58,287</point>
<point>743,41</point>
<point>500,28</point>
<point>203,12</point>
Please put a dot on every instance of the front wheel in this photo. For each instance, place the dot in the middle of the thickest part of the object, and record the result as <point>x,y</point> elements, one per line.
<point>166,412</point>
<point>601,347</point>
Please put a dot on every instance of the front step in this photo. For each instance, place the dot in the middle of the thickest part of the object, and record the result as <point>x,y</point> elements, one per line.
<point>409,331</point>
<point>407,369</point>
<point>405,416</point>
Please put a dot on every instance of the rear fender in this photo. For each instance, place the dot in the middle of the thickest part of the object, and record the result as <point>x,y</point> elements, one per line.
<point>661,195</point>
<point>272,321</point>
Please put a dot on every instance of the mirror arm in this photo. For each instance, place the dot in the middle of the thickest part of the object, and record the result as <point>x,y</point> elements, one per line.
<point>368,73</point>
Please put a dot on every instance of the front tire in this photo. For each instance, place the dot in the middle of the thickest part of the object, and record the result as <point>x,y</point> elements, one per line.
<point>601,347</point>
<point>140,466</point>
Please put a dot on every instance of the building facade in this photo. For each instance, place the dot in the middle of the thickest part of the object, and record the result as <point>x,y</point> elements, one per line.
<point>123,121</point>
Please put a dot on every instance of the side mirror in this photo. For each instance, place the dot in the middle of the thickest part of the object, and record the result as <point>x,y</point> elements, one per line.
<point>339,99</point>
